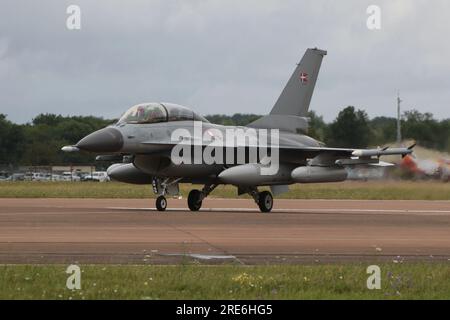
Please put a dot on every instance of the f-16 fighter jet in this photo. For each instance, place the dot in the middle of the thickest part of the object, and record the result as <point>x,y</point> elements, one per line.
<point>164,144</point>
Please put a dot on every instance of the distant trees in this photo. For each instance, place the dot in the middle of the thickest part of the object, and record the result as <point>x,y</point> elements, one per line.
<point>353,128</point>
<point>425,130</point>
<point>383,130</point>
<point>11,141</point>
<point>350,129</point>
<point>39,143</point>
<point>317,126</point>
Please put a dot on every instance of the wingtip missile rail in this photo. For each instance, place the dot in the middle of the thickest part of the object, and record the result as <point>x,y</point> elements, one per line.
<point>383,152</point>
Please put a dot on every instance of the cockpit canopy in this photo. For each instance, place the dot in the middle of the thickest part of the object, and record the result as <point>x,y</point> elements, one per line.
<point>159,112</point>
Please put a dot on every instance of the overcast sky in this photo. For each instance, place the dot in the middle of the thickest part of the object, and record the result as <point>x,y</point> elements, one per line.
<point>220,56</point>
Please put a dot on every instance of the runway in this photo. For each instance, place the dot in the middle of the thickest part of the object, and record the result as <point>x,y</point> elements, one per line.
<point>224,231</point>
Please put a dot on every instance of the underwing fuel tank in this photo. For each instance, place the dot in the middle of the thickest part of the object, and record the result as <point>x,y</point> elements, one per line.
<point>128,173</point>
<point>310,174</point>
<point>251,175</point>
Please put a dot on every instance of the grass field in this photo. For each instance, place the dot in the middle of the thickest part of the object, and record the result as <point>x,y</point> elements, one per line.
<point>393,190</point>
<point>398,281</point>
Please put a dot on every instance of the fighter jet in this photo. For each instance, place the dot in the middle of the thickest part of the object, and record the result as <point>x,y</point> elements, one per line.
<point>164,144</point>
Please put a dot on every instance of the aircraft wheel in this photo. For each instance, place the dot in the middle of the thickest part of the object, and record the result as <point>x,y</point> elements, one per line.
<point>194,201</point>
<point>265,201</point>
<point>161,203</point>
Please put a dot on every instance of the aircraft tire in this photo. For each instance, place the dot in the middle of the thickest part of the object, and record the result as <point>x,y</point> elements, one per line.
<point>161,203</point>
<point>265,201</point>
<point>194,201</point>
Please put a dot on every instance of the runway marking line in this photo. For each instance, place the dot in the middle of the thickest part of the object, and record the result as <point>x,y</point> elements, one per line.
<point>340,210</point>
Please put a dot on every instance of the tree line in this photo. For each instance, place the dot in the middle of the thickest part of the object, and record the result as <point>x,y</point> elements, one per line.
<point>38,143</point>
<point>353,128</point>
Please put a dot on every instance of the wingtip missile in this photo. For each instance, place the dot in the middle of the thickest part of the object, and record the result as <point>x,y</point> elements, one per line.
<point>382,152</point>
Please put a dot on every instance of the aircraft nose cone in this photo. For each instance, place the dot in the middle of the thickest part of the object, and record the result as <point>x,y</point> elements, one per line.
<point>103,140</point>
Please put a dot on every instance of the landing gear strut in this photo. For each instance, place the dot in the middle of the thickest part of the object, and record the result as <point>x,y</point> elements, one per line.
<point>195,197</point>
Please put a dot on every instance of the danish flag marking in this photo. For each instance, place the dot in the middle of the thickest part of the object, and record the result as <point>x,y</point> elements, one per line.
<point>303,77</point>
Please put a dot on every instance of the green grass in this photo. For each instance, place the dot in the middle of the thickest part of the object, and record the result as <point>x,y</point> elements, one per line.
<point>399,281</point>
<point>389,190</point>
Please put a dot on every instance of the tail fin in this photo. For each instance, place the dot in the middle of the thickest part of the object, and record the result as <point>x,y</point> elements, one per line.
<point>296,96</point>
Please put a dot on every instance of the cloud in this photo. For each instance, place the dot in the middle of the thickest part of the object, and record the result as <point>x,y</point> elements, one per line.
<point>220,56</point>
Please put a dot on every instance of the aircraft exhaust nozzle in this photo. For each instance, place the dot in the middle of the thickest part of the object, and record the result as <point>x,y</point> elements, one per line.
<point>103,140</point>
<point>128,173</point>
<point>310,174</point>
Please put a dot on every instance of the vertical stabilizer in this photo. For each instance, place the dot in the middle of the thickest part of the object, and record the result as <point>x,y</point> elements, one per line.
<point>296,96</point>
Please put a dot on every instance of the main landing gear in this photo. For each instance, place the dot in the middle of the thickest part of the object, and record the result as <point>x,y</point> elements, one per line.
<point>170,187</point>
<point>263,199</point>
<point>161,203</point>
<point>195,200</point>
<point>195,197</point>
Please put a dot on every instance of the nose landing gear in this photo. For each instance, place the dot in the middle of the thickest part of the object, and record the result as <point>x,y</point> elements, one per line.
<point>163,187</point>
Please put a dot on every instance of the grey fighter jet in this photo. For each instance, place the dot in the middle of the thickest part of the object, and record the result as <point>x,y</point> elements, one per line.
<point>164,144</point>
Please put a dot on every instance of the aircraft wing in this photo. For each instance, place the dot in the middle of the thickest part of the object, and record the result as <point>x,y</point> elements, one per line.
<point>318,155</point>
<point>323,156</point>
<point>361,153</point>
